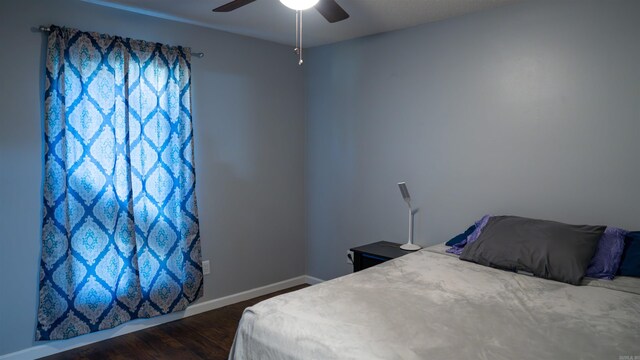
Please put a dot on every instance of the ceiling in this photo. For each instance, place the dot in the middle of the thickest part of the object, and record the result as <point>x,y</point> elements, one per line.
<point>270,20</point>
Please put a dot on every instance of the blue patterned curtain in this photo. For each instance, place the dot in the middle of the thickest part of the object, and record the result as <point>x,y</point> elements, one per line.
<point>120,236</point>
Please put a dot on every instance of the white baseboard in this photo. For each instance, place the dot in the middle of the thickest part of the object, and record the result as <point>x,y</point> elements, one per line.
<point>54,347</point>
<point>312,280</point>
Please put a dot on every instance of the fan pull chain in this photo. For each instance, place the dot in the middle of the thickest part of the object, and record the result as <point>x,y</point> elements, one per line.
<point>297,49</point>
<point>300,44</point>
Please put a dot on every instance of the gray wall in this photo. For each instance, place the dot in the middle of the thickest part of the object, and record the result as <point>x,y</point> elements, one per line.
<point>530,109</point>
<point>248,121</point>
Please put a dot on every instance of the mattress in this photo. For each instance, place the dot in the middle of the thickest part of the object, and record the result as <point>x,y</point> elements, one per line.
<point>430,305</point>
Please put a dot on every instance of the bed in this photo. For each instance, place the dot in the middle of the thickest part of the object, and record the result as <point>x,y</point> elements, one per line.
<point>431,305</point>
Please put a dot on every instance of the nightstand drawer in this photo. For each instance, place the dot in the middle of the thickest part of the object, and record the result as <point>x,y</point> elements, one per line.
<point>373,254</point>
<point>367,260</point>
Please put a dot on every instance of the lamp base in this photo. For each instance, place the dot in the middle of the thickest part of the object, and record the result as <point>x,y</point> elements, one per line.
<point>410,247</point>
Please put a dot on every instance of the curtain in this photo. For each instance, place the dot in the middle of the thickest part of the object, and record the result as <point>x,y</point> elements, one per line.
<point>120,235</point>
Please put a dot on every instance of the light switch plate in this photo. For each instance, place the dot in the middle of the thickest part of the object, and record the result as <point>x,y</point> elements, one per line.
<point>206,267</point>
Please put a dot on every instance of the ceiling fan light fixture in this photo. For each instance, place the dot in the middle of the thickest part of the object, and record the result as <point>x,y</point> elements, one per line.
<point>299,4</point>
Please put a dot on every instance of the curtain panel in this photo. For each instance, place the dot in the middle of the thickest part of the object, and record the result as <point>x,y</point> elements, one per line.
<point>120,234</point>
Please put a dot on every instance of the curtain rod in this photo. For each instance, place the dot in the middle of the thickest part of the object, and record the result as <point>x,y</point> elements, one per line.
<point>48,29</point>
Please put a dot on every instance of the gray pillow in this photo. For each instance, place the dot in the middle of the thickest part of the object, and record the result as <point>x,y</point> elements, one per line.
<point>546,249</point>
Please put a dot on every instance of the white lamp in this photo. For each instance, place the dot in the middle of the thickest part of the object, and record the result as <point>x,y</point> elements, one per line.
<point>299,4</point>
<point>410,246</point>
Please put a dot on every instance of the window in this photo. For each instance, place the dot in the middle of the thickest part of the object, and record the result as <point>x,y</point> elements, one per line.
<point>120,236</point>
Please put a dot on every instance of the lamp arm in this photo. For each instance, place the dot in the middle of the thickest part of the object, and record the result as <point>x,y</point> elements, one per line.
<point>409,246</point>
<point>411,213</point>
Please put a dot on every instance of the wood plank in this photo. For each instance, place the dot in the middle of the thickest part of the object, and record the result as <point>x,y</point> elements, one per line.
<point>208,335</point>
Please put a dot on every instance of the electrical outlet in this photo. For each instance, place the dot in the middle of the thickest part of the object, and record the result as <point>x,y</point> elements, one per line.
<point>206,267</point>
<point>349,257</point>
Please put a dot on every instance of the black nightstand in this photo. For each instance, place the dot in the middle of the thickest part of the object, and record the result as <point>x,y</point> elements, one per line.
<point>370,255</point>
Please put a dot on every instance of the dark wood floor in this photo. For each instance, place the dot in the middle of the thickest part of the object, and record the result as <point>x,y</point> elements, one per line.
<point>204,336</point>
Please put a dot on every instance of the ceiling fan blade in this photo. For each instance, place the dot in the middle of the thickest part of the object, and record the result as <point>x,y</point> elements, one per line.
<point>331,11</point>
<point>232,5</point>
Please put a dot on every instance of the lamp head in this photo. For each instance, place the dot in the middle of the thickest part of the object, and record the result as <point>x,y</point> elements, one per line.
<point>405,192</point>
<point>299,4</point>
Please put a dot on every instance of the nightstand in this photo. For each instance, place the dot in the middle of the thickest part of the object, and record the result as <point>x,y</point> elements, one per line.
<point>376,253</point>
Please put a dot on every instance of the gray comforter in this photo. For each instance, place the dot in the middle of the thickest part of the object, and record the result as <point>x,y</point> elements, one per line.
<point>428,305</point>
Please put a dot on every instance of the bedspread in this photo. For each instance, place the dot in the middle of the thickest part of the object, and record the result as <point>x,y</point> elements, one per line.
<point>428,305</point>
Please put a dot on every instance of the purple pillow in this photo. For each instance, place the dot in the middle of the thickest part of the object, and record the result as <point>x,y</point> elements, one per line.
<point>606,260</point>
<point>480,224</point>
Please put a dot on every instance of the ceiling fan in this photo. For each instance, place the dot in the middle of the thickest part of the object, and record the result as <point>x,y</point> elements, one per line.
<point>327,8</point>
